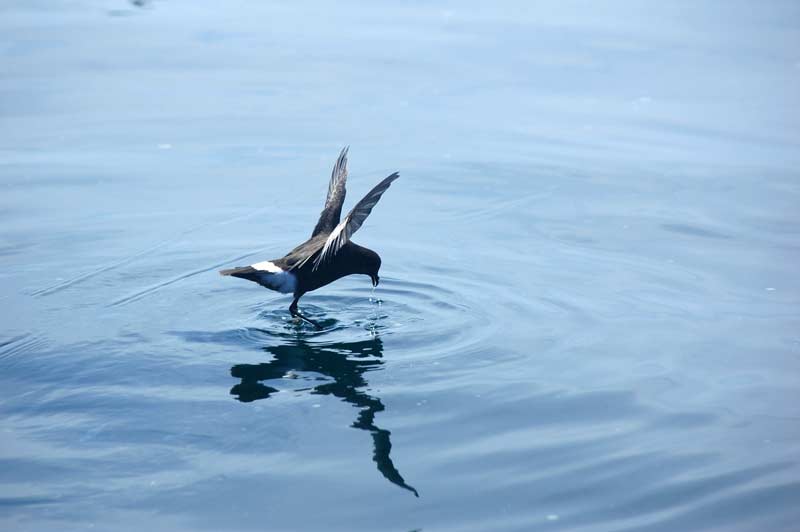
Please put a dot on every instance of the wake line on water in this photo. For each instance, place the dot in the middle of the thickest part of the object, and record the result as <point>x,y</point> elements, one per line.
<point>84,276</point>
<point>158,286</point>
<point>139,254</point>
<point>19,345</point>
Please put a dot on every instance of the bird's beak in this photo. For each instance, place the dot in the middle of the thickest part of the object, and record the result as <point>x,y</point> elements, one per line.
<point>375,280</point>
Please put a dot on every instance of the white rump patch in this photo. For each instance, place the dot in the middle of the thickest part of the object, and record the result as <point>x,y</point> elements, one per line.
<point>266,266</point>
<point>275,278</point>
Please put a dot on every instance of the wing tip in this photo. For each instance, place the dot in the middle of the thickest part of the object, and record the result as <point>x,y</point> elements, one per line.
<point>342,159</point>
<point>339,171</point>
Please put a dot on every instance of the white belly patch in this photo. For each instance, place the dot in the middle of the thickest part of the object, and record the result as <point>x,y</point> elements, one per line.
<point>275,278</point>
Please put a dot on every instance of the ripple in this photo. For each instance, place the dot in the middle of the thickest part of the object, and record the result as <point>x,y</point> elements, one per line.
<point>693,230</point>
<point>434,321</point>
<point>20,346</point>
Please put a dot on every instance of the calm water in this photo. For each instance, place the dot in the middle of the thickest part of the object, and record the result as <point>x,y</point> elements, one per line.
<point>588,317</point>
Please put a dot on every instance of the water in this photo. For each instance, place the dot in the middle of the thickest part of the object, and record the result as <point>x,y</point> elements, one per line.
<point>588,315</point>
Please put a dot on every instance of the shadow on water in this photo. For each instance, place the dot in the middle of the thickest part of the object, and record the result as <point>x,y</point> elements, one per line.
<point>346,364</point>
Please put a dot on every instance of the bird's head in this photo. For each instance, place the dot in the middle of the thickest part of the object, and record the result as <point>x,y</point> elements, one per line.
<point>371,264</point>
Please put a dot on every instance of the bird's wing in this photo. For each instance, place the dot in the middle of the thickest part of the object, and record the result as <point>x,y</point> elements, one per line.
<point>299,256</point>
<point>341,233</point>
<point>332,210</point>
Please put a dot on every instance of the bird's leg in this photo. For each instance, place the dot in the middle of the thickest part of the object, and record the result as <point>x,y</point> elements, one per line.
<point>296,314</point>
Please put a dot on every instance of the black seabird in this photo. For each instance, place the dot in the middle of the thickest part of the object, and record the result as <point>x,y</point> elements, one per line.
<point>329,254</point>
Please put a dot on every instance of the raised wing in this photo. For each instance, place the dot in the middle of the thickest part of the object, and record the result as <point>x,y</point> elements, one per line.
<point>332,211</point>
<point>341,233</point>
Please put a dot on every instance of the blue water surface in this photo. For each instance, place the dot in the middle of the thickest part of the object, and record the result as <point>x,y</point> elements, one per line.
<point>589,311</point>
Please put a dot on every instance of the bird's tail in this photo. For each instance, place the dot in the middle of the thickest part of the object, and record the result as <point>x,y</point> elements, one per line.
<point>243,272</point>
<point>280,281</point>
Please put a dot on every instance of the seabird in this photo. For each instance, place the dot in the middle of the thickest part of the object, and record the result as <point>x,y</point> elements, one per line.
<point>329,254</point>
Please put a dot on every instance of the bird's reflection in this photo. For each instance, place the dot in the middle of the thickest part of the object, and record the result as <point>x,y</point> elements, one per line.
<point>346,364</point>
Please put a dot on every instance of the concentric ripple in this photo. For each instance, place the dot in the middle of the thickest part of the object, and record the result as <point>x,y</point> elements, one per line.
<point>434,321</point>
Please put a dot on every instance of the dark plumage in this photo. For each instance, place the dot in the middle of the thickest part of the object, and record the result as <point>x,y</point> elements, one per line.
<point>329,254</point>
